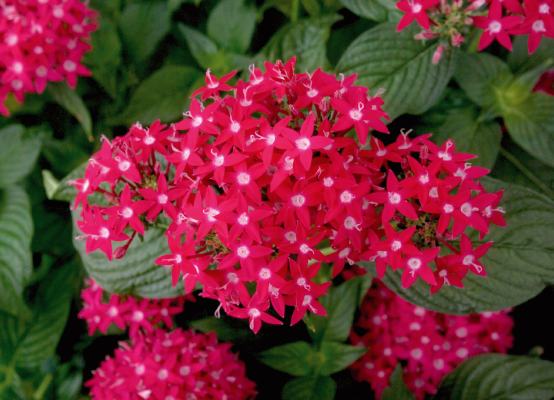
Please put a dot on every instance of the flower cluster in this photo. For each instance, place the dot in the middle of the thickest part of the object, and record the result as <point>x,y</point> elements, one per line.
<point>497,18</point>
<point>126,312</point>
<point>169,366</point>
<point>427,344</point>
<point>42,41</point>
<point>260,198</point>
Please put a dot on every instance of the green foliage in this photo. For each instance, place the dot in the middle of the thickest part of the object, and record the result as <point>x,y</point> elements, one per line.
<point>498,376</point>
<point>293,358</point>
<point>18,153</point>
<point>231,25</point>
<point>164,95</point>
<point>397,389</point>
<point>205,50</point>
<point>370,9</point>
<point>310,388</point>
<point>143,24</point>
<point>304,39</point>
<point>70,100</point>
<point>337,356</point>
<point>472,135</point>
<point>403,66</point>
<point>518,264</point>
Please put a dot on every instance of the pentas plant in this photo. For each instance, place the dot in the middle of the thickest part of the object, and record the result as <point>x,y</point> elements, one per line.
<point>173,365</point>
<point>451,21</point>
<point>42,41</point>
<point>250,188</point>
<point>101,311</point>
<point>427,344</point>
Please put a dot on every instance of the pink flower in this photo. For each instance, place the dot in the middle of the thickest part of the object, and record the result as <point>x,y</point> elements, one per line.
<point>414,9</point>
<point>495,26</point>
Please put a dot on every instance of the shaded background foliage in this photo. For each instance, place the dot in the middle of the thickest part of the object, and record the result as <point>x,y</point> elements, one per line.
<point>148,56</point>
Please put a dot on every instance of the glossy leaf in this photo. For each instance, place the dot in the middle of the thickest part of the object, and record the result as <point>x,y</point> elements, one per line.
<point>105,58</point>
<point>337,356</point>
<point>135,273</point>
<point>293,358</point>
<point>384,58</point>
<point>18,153</point>
<point>519,263</point>
<point>499,376</point>
<point>205,51</point>
<point>310,388</point>
<point>472,136</point>
<point>231,25</point>
<point>340,304</point>
<point>397,389</point>
<point>370,9</point>
<point>16,264</point>
<point>164,95</point>
<point>143,25</point>
<point>70,100</point>
<point>306,39</point>
<point>521,61</point>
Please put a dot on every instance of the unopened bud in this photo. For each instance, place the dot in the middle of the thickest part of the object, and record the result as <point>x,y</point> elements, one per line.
<point>457,40</point>
<point>324,106</point>
<point>157,168</point>
<point>438,54</point>
<point>120,252</point>
<point>423,154</point>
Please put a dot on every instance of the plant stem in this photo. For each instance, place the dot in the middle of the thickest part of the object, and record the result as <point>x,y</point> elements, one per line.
<point>294,10</point>
<point>519,165</point>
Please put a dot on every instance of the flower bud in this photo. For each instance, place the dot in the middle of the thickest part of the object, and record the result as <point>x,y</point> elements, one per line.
<point>120,252</point>
<point>438,54</point>
<point>457,40</point>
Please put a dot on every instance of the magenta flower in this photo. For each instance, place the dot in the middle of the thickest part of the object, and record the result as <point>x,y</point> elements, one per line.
<point>160,200</point>
<point>417,265</point>
<point>178,257</point>
<point>394,199</point>
<point>415,9</point>
<point>496,27</point>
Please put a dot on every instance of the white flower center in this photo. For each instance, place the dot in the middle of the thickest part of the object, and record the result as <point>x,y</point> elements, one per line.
<point>298,200</point>
<point>414,263</point>
<point>416,353</point>
<point>461,332</point>
<point>104,233</point>
<point>312,93</point>
<point>349,223</point>
<point>17,67</point>
<point>218,161</point>
<point>544,8</point>
<point>270,139</point>
<point>355,114</point>
<point>448,208</point>
<point>433,192</point>
<point>328,182</point>
<point>17,84</point>
<point>58,12</point>
<point>443,273</point>
<point>438,364</point>
<point>416,8</point>
<point>346,197</point>
<point>254,312</point>
<point>466,209</point>
<point>424,179</point>
<point>468,260</point>
<point>197,121</point>
<point>243,219</point>
<point>394,198</point>
<point>396,245</point>
<point>148,140</point>
<point>41,71</point>
<point>140,369</point>
<point>211,213</point>
<point>538,26</point>
<point>301,281</point>
<point>243,252</point>
<point>495,26</point>
<point>289,163</point>
<point>290,236</point>
<point>415,326</point>
<point>265,273</point>
<point>305,248</point>
<point>69,65</point>
<point>462,353</point>
<point>345,252</point>
<point>303,144</point>
<point>185,154</point>
<point>232,277</point>
<point>163,374</point>
<point>127,212</point>
<point>243,178</point>
<point>113,311</point>
<point>162,198</point>
<point>138,316</point>
<point>184,370</point>
<point>124,165</point>
<point>235,127</point>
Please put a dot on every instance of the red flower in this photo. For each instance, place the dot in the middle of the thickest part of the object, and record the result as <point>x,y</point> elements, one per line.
<point>414,9</point>
<point>495,26</point>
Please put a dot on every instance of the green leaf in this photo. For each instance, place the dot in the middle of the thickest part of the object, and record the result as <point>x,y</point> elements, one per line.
<point>18,153</point>
<point>293,358</point>
<point>514,165</point>
<point>306,39</point>
<point>521,61</point>
<point>70,100</point>
<point>370,9</point>
<point>231,24</point>
<point>143,25</point>
<point>51,310</point>
<point>519,264</point>
<point>472,136</point>
<point>16,264</point>
<point>531,125</point>
<point>340,304</point>
<point>397,389</point>
<point>499,376</point>
<point>175,5</point>
<point>50,183</point>
<point>224,328</point>
<point>205,51</point>
<point>338,356</point>
<point>310,388</point>
<point>135,273</point>
<point>384,58</point>
<point>105,58</point>
<point>164,96</point>
<point>65,191</point>
<point>483,77</point>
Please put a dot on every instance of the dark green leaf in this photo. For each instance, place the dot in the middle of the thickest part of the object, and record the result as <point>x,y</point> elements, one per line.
<point>338,356</point>
<point>16,264</point>
<point>310,388</point>
<point>519,59</point>
<point>135,273</point>
<point>68,384</point>
<point>51,309</point>
<point>472,136</point>
<point>484,78</point>
<point>164,96</point>
<point>105,58</point>
<point>514,165</point>
<point>370,9</point>
<point>340,304</point>
<point>65,191</point>
<point>18,153</point>
<point>498,376</point>
<point>519,264</point>
<point>226,329</point>
<point>174,5</point>
<point>70,100</point>
<point>231,24</point>
<point>306,39</point>
<point>143,25</point>
<point>384,58</point>
<point>292,358</point>
<point>531,125</point>
<point>397,389</point>
<point>312,7</point>
<point>203,49</point>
